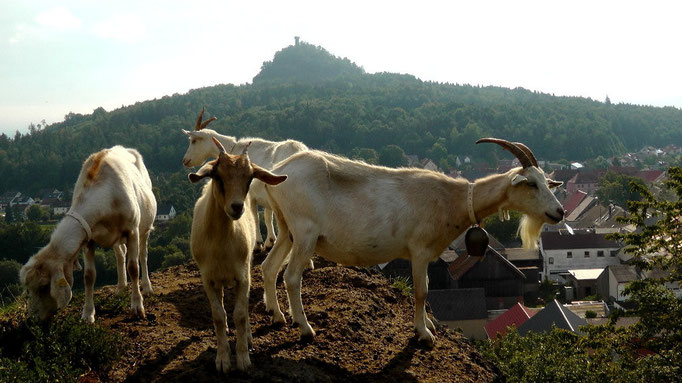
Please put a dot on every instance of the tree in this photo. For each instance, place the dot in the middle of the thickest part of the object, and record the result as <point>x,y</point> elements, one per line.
<point>656,250</point>
<point>504,231</point>
<point>37,213</point>
<point>9,272</point>
<point>393,155</point>
<point>616,188</point>
<point>9,215</point>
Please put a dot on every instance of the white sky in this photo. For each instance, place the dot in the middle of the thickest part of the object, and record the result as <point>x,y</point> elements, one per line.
<point>58,57</point>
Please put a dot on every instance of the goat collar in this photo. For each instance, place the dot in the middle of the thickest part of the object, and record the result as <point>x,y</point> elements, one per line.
<point>82,221</point>
<point>470,204</point>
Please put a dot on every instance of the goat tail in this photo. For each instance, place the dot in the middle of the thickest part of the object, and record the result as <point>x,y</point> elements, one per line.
<point>529,231</point>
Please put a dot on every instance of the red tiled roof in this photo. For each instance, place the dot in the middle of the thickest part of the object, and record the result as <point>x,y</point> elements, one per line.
<point>573,201</point>
<point>650,175</point>
<point>515,316</point>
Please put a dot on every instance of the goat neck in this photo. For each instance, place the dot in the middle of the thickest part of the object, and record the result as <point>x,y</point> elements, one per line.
<point>489,194</point>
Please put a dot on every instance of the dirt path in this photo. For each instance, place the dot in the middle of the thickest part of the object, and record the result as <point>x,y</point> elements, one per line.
<point>364,334</point>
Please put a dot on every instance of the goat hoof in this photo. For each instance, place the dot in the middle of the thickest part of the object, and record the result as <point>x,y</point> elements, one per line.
<point>428,342</point>
<point>222,363</point>
<point>243,362</point>
<point>138,312</point>
<point>307,338</point>
<point>294,325</point>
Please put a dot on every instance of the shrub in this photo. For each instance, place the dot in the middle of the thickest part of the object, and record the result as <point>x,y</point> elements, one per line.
<point>590,314</point>
<point>60,351</point>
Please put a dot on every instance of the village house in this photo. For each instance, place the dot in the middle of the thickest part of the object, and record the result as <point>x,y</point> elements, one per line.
<point>583,281</point>
<point>513,317</point>
<point>8,199</point>
<point>584,249</point>
<point>60,207</point>
<point>554,314</point>
<point>502,282</point>
<point>612,282</point>
<point>585,180</point>
<point>165,212</point>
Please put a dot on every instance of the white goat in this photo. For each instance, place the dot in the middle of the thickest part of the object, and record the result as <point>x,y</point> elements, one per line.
<point>221,244</point>
<point>358,214</point>
<point>113,206</point>
<point>261,152</point>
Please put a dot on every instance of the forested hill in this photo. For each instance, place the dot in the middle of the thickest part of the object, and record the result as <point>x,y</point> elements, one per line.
<point>330,103</point>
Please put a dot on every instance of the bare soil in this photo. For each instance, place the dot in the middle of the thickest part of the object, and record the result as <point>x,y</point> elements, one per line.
<point>363,324</point>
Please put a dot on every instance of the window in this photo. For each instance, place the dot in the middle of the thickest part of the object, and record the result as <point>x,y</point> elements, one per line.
<point>587,254</point>
<point>600,253</point>
<point>614,253</point>
<point>569,254</point>
<point>551,260</point>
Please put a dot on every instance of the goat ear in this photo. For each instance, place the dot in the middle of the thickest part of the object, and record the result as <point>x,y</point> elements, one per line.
<point>202,173</point>
<point>60,289</point>
<point>518,179</point>
<point>554,184</point>
<point>187,133</point>
<point>267,177</point>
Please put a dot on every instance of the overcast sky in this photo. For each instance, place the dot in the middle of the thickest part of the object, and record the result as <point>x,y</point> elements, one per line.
<point>58,57</point>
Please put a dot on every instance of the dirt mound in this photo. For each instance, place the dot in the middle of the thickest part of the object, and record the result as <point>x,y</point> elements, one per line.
<point>364,333</point>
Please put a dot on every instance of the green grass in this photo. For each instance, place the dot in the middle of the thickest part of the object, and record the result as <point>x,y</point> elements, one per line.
<point>404,284</point>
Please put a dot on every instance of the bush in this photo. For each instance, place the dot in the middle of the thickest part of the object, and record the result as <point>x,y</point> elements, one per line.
<point>173,259</point>
<point>60,351</point>
<point>590,314</point>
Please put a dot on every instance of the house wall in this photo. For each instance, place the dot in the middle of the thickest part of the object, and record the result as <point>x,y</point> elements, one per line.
<point>557,261</point>
<point>583,287</point>
<point>473,329</point>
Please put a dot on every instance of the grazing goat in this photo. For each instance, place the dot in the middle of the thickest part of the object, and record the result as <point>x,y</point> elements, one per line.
<point>353,213</point>
<point>113,206</point>
<point>261,152</point>
<point>221,244</point>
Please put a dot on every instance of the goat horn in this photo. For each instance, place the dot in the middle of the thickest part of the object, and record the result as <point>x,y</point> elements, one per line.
<point>528,152</point>
<point>515,150</point>
<point>201,116</point>
<point>208,122</point>
<point>246,147</point>
<point>220,146</point>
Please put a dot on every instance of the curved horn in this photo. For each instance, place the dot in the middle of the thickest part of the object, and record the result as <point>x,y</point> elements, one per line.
<point>528,152</point>
<point>201,115</point>
<point>207,122</point>
<point>515,150</point>
<point>220,146</point>
<point>246,147</point>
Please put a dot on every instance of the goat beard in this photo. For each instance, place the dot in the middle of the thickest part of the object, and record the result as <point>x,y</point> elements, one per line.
<point>529,231</point>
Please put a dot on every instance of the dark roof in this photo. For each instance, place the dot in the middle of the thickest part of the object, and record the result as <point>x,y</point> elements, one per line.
<point>553,314</point>
<point>164,209</point>
<point>588,177</point>
<point>624,273</point>
<point>458,304</point>
<point>8,196</point>
<point>581,239</point>
<point>515,316</point>
<point>564,175</point>
<point>460,266</point>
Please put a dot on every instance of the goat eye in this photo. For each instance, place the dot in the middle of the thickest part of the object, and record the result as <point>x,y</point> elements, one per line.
<point>533,185</point>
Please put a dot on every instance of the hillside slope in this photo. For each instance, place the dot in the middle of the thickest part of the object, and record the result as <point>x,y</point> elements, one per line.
<point>329,103</point>
<point>364,329</point>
